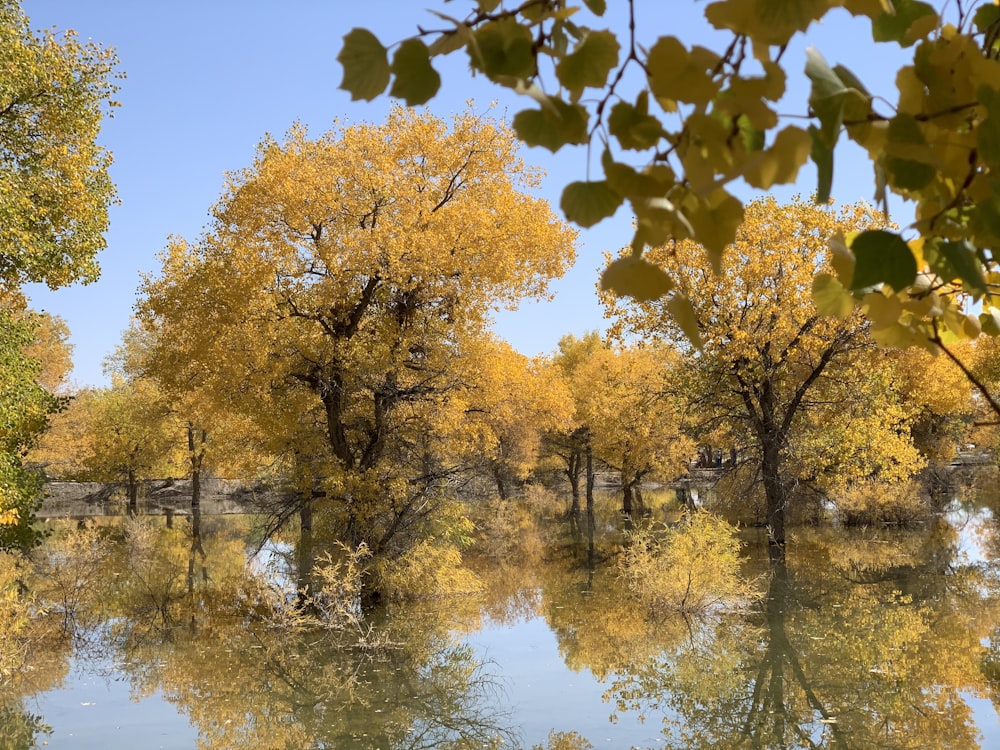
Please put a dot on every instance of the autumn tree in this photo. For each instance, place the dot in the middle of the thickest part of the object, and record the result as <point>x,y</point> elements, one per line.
<point>122,435</point>
<point>336,289</point>
<point>806,391</point>
<point>679,126</point>
<point>572,445</point>
<point>53,210</point>
<point>516,401</point>
<point>633,416</point>
<point>25,407</point>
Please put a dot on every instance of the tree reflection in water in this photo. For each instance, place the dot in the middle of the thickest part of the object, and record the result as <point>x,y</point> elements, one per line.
<point>860,642</point>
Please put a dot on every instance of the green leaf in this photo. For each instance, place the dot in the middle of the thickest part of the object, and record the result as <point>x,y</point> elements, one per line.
<point>554,126</point>
<point>505,50</point>
<point>905,156</point>
<point>589,63</point>
<point>988,132</point>
<point>715,223</point>
<point>678,74</point>
<point>898,26</point>
<point>826,97</point>
<point>637,278</point>
<point>681,311</point>
<point>822,156</point>
<point>366,65</point>
<point>416,81</point>
<point>961,258</point>
<point>633,126</point>
<point>597,7</point>
<point>587,203</point>
<point>989,320</point>
<point>830,297</point>
<point>651,182</point>
<point>882,257</point>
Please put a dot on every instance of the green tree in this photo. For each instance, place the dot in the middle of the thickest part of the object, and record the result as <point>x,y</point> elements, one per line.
<point>53,211</point>
<point>24,410</point>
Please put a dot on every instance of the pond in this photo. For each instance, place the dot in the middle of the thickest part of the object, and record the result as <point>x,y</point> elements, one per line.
<point>864,638</point>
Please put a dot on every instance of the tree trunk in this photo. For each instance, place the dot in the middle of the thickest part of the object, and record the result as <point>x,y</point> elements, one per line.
<point>196,454</point>
<point>776,497</point>
<point>132,488</point>
<point>573,462</point>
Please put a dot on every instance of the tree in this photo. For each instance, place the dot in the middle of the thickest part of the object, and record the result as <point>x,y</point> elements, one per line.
<point>633,417</point>
<point>807,392</point>
<point>572,445</point>
<point>516,401</point>
<point>678,124</point>
<point>335,294</point>
<point>53,210</point>
<point>124,435</point>
<point>24,410</point>
<point>57,189</point>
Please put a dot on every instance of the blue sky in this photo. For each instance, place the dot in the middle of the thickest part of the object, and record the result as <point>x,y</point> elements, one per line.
<point>206,80</point>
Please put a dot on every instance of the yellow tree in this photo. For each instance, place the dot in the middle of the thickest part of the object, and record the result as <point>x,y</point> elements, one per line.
<point>53,210</point>
<point>336,288</point>
<point>633,416</point>
<point>790,379</point>
<point>123,435</point>
<point>516,401</point>
<point>572,445</point>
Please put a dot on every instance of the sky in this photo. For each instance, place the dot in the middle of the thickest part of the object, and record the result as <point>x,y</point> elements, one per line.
<point>205,81</point>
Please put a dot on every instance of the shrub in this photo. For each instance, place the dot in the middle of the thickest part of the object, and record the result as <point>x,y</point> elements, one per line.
<point>874,503</point>
<point>692,567</point>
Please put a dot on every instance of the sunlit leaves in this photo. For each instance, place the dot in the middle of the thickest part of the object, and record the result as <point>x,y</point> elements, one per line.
<point>831,297</point>
<point>366,65</point>
<point>636,278</point>
<point>780,163</point>
<point>56,186</point>
<point>679,74</point>
<point>932,141</point>
<point>882,258</point>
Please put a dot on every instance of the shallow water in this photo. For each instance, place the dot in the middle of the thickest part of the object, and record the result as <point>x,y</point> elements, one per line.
<point>864,639</point>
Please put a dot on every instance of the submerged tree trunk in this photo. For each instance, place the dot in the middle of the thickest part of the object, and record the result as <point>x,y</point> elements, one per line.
<point>573,463</point>
<point>196,455</point>
<point>196,551</point>
<point>776,498</point>
<point>132,488</point>
<point>304,552</point>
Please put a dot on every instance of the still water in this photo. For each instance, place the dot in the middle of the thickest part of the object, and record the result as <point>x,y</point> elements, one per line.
<point>865,638</point>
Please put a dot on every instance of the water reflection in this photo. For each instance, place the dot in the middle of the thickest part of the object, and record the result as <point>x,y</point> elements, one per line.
<point>886,639</point>
<point>870,643</point>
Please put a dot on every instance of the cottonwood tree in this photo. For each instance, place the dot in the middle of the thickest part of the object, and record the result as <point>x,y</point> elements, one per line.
<point>678,125</point>
<point>634,417</point>
<point>806,391</point>
<point>335,291</point>
<point>53,210</point>
<point>516,402</point>
<point>25,407</point>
